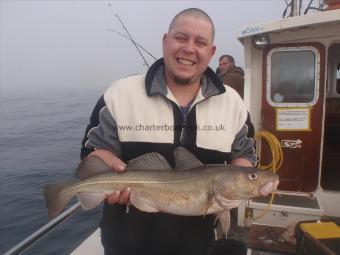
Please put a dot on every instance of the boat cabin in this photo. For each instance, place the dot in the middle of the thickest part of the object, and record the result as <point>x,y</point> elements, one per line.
<point>292,90</point>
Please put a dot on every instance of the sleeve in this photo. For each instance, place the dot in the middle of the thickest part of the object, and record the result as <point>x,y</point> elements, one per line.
<point>244,145</point>
<point>101,133</point>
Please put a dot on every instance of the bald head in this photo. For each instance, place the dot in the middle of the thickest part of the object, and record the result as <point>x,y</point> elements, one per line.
<point>195,13</point>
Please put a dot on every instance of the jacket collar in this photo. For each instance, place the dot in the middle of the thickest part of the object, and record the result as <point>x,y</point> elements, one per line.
<point>155,81</point>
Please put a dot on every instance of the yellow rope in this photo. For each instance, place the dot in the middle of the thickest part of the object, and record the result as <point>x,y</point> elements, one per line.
<point>274,165</point>
<point>275,148</point>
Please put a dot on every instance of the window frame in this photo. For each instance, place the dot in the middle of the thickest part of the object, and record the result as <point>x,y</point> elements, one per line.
<point>316,53</point>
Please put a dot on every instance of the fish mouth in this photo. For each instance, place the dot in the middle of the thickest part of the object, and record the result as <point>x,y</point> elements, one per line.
<point>269,187</point>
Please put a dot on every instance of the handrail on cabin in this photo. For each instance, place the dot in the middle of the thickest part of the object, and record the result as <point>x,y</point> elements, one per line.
<point>45,229</point>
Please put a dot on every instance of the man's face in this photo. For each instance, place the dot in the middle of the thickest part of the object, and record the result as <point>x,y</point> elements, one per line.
<point>187,49</point>
<point>224,65</point>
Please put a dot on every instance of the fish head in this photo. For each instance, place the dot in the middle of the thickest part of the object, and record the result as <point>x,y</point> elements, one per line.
<point>245,182</point>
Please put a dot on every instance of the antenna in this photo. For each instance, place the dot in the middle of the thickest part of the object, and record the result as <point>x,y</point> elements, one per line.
<point>133,41</point>
<point>295,11</point>
<point>309,7</point>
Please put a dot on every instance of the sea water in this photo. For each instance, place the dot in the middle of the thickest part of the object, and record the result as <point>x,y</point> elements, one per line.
<point>40,138</point>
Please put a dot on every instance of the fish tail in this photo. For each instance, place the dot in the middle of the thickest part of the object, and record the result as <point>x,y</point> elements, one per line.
<point>56,198</point>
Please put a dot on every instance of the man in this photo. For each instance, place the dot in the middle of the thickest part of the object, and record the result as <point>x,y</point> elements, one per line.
<point>231,75</point>
<point>173,105</point>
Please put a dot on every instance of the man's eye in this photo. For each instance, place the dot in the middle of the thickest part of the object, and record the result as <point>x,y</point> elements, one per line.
<point>201,43</point>
<point>181,39</point>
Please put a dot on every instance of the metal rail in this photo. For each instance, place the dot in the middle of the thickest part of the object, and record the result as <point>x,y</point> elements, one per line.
<point>41,232</point>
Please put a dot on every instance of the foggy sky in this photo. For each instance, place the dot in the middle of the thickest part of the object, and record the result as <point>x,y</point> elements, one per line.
<point>59,44</point>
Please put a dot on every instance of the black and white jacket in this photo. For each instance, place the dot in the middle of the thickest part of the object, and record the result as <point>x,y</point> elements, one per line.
<point>139,114</point>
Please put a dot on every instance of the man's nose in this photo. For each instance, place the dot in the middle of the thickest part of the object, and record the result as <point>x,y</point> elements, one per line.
<point>189,46</point>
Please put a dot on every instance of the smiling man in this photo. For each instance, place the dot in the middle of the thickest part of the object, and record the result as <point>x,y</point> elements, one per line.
<point>187,49</point>
<point>179,102</point>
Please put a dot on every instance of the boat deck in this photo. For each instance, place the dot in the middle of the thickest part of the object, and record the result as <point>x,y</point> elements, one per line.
<point>91,245</point>
<point>262,240</point>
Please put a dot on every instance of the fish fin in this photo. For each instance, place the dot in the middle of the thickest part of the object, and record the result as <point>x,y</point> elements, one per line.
<point>91,166</point>
<point>149,161</point>
<point>224,219</point>
<point>210,201</point>
<point>56,198</point>
<point>225,202</point>
<point>90,200</point>
<point>184,159</point>
<point>141,203</point>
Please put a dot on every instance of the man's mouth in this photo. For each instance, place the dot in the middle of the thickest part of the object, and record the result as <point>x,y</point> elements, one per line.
<point>185,62</point>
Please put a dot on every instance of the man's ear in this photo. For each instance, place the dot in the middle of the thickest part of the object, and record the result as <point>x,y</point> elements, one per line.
<point>164,37</point>
<point>213,50</point>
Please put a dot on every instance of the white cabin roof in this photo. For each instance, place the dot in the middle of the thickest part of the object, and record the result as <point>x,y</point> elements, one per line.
<point>292,22</point>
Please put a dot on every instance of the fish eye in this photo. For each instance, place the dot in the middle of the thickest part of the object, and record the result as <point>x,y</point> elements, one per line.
<point>252,176</point>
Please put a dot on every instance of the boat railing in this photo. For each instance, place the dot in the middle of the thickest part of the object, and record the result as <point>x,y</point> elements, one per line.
<point>44,230</point>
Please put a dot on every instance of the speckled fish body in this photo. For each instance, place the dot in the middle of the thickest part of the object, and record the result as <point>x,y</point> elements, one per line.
<point>190,189</point>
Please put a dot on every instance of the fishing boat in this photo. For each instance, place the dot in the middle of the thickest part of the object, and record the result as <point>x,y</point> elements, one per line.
<point>292,88</point>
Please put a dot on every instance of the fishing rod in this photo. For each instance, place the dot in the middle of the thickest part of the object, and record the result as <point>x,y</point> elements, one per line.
<point>140,46</point>
<point>295,7</point>
<point>133,41</point>
<point>288,5</point>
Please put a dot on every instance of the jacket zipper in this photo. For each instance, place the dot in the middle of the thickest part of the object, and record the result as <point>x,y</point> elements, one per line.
<point>182,136</point>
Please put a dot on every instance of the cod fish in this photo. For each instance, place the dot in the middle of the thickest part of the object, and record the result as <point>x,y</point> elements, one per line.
<point>191,189</point>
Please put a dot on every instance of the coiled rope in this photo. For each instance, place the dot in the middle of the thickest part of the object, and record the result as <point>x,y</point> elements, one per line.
<point>274,165</point>
<point>275,148</point>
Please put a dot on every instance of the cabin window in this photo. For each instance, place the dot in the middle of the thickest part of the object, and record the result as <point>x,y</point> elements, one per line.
<point>292,77</point>
<point>338,79</point>
<point>333,75</point>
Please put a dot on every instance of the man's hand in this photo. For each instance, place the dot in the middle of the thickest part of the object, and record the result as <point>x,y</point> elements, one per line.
<point>120,196</point>
<point>110,159</point>
<point>241,162</point>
